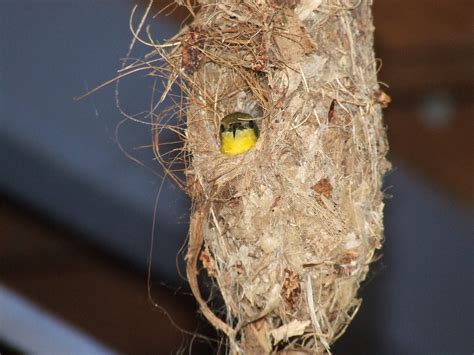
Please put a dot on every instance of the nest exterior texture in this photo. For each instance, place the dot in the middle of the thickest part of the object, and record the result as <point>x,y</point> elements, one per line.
<point>287,230</point>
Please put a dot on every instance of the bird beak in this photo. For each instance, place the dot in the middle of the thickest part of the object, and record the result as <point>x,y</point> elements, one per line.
<point>234,128</point>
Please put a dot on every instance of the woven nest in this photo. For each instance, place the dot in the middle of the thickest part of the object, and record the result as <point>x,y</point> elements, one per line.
<point>287,230</point>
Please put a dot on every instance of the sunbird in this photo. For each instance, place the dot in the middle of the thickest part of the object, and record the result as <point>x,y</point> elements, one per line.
<point>238,133</point>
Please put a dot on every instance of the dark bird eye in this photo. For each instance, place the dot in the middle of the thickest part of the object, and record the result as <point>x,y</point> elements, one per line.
<point>251,124</point>
<point>222,128</point>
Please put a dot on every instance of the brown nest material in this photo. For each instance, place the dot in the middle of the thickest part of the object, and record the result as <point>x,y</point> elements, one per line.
<point>286,231</point>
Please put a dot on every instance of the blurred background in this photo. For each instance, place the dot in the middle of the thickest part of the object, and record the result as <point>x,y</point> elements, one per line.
<point>76,213</point>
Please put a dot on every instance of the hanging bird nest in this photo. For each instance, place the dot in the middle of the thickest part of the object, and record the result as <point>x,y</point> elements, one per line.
<point>287,230</point>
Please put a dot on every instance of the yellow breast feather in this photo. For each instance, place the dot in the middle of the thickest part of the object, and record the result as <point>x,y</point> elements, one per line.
<point>240,143</point>
<point>238,133</point>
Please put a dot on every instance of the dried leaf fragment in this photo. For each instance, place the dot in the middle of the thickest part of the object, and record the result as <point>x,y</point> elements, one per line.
<point>381,98</point>
<point>294,328</point>
<point>294,43</point>
<point>331,111</point>
<point>291,289</point>
<point>208,262</point>
<point>347,264</point>
<point>291,4</point>
<point>191,49</point>
<point>323,187</point>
